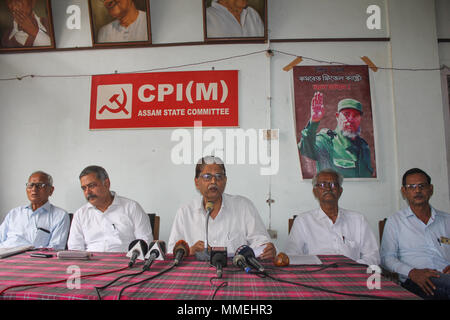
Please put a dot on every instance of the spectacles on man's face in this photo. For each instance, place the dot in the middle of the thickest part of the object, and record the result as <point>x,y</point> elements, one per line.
<point>90,186</point>
<point>38,185</point>
<point>209,176</point>
<point>327,185</point>
<point>421,186</point>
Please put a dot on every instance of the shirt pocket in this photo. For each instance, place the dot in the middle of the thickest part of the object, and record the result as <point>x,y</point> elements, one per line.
<point>351,249</point>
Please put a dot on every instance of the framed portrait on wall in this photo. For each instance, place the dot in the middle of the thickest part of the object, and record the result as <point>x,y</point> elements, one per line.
<point>120,22</point>
<point>234,20</point>
<point>26,25</point>
<point>334,120</point>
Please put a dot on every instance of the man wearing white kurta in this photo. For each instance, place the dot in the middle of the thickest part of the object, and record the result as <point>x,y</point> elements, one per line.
<point>233,18</point>
<point>130,24</point>
<point>330,229</point>
<point>234,220</point>
<point>108,222</point>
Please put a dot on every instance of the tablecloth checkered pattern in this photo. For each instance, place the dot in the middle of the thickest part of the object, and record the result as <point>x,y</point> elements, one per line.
<point>191,280</point>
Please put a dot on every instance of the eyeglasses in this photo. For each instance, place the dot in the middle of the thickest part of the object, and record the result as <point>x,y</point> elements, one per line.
<point>421,186</point>
<point>90,186</point>
<point>209,176</point>
<point>31,185</point>
<point>326,185</point>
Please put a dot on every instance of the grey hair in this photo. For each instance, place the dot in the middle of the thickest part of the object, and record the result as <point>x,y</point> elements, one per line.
<point>208,160</point>
<point>49,177</point>
<point>339,176</point>
<point>100,172</point>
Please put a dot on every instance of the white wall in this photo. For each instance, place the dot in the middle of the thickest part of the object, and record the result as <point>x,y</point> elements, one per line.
<point>44,121</point>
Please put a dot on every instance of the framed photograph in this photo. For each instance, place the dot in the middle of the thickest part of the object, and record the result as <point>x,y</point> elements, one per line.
<point>234,20</point>
<point>334,120</point>
<point>120,22</point>
<point>26,25</point>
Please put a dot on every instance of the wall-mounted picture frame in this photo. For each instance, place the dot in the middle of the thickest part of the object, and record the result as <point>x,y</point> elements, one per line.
<point>234,20</point>
<point>26,25</point>
<point>334,120</point>
<point>120,22</point>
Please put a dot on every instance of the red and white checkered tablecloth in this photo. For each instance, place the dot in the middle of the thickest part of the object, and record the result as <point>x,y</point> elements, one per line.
<point>191,280</point>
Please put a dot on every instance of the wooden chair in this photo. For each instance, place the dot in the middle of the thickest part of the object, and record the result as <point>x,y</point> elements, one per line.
<point>291,222</point>
<point>154,222</point>
<point>393,276</point>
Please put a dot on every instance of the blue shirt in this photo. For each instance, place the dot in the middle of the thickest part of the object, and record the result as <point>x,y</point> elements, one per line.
<point>23,227</point>
<point>408,243</point>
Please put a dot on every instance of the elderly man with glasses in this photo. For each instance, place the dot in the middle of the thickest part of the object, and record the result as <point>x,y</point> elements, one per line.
<point>39,224</point>
<point>234,220</point>
<point>416,240</point>
<point>331,229</point>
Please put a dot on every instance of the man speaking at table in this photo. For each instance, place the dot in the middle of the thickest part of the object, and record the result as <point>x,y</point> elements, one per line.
<point>39,224</point>
<point>331,229</point>
<point>108,222</point>
<point>234,220</point>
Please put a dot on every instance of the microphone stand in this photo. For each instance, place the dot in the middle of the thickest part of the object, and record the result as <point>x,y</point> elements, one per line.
<point>204,255</point>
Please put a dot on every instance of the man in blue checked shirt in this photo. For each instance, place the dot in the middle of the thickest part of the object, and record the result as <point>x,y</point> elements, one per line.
<point>416,240</point>
<point>39,224</point>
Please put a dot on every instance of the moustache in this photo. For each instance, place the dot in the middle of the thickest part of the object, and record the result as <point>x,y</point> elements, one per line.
<point>91,196</point>
<point>212,187</point>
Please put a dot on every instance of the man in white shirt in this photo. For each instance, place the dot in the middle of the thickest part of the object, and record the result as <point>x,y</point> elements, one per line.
<point>331,229</point>
<point>233,18</point>
<point>28,30</point>
<point>39,224</point>
<point>234,220</point>
<point>416,240</point>
<point>108,222</point>
<point>130,24</point>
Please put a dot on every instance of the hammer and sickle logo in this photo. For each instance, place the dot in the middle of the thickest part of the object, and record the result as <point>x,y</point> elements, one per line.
<point>114,100</point>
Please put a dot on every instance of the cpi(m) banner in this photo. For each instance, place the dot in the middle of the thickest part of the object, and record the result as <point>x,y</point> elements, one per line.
<point>164,99</point>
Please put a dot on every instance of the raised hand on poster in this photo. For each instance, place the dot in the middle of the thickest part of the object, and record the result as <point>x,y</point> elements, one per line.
<point>317,108</point>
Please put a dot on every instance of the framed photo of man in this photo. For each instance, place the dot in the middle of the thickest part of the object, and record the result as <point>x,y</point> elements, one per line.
<point>334,122</point>
<point>120,22</point>
<point>26,25</point>
<point>234,20</point>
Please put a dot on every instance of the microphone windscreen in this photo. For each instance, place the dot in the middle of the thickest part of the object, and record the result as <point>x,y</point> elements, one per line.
<point>181,245</point>
<point>239,260</point>
<point>245,251</point>
<point>209,206</point>
<point>132,244</point>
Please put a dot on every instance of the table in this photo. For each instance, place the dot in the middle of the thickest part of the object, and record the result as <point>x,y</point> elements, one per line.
<point>190,280</point>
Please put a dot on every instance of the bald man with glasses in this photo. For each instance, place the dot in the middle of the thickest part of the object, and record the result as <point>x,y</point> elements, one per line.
<point>39,224</point>
<point>331,229</point>
<point>233,221</point>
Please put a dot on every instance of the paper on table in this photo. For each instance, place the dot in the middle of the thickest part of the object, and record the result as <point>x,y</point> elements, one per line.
<point>304,259</point>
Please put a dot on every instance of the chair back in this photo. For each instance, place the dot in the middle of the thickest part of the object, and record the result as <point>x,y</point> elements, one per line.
<point>291,222</point>
<point>154,222</point>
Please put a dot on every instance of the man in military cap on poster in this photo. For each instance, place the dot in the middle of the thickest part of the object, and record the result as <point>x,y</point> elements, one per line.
<point>342,149</point>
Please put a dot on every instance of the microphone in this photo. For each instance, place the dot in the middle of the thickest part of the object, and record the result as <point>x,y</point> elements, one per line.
<point>136,250</point>
<point>157,251</point>
<point>219,259</point>
<point>180,250</point>
<point>249,255</point>
<point>240,262</point>
<point>204,255</point>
